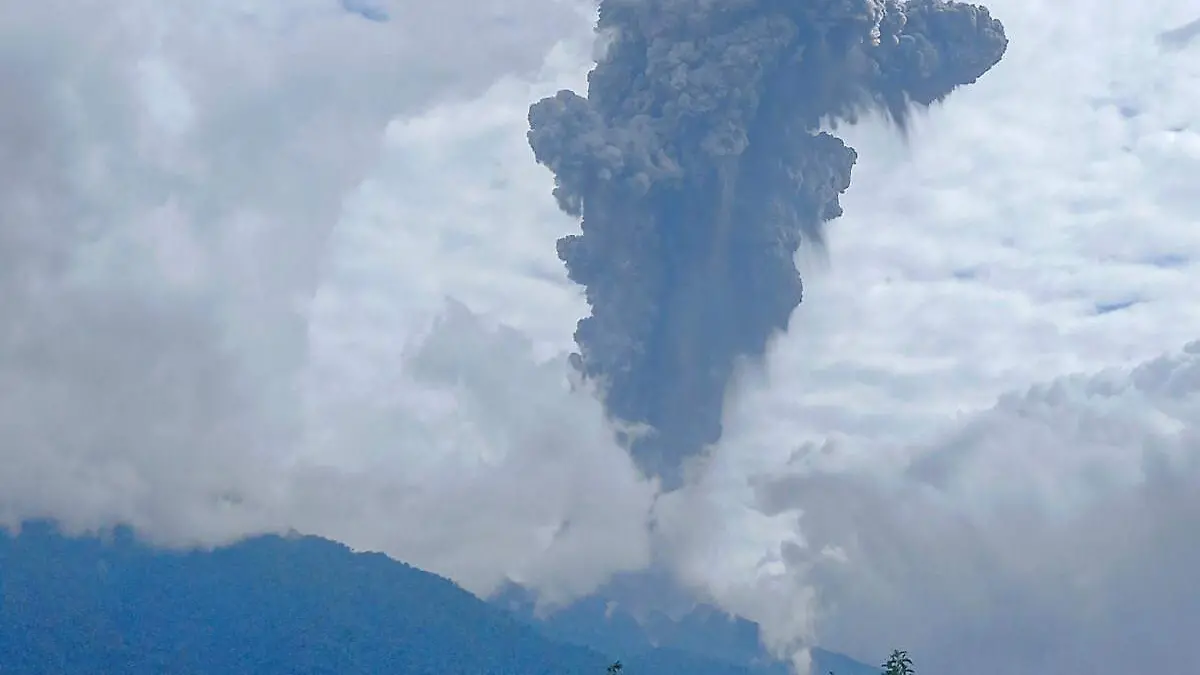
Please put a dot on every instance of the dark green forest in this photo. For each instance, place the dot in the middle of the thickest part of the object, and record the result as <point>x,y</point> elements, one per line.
<point>280,605</point>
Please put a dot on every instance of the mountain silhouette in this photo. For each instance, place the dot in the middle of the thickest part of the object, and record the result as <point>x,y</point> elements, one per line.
<point>273,606</point>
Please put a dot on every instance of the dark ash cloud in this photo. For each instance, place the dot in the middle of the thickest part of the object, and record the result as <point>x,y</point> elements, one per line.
<point>698,166</point>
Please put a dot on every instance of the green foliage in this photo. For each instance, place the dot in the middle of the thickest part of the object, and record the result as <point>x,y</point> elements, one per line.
<point>898,664</point>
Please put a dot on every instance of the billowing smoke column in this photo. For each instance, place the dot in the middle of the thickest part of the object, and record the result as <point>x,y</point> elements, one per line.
<point>698,166</point>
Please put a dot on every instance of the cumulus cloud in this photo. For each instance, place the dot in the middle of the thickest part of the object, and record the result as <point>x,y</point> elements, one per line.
<point>1052,532</point>
<point>466,455</point>
<point>181,346</point>
<point>1049,191</point>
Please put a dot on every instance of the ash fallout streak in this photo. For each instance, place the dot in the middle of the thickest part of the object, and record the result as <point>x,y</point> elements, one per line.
<point>698,167</point>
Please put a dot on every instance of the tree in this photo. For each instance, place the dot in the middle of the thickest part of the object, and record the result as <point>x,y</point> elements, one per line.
<point>898,664</point>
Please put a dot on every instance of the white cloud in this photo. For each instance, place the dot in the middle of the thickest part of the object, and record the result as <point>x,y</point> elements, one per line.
<point>200,339</point>
<point>1053,532</point>
<point>464,455</point>
<point>972,261</point>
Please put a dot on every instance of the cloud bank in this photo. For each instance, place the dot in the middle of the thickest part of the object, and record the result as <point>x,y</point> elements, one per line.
<point>1050,532</point>
<point>182,345</point>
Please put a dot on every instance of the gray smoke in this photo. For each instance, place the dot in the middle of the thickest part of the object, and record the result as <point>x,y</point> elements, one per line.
<point>698,166</point>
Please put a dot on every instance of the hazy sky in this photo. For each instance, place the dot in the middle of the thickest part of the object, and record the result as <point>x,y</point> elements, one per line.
<point>271,263</point>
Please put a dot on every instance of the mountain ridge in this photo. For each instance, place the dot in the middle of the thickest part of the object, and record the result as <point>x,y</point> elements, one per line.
<point>270,605</point>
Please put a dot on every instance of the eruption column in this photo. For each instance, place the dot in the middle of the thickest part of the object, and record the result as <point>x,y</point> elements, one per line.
<point>698,167</point>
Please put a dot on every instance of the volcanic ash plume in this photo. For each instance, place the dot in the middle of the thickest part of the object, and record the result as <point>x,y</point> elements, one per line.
<point>697,166</point>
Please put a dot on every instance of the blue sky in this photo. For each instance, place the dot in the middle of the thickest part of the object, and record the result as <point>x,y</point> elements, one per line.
<point>275,201</point>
